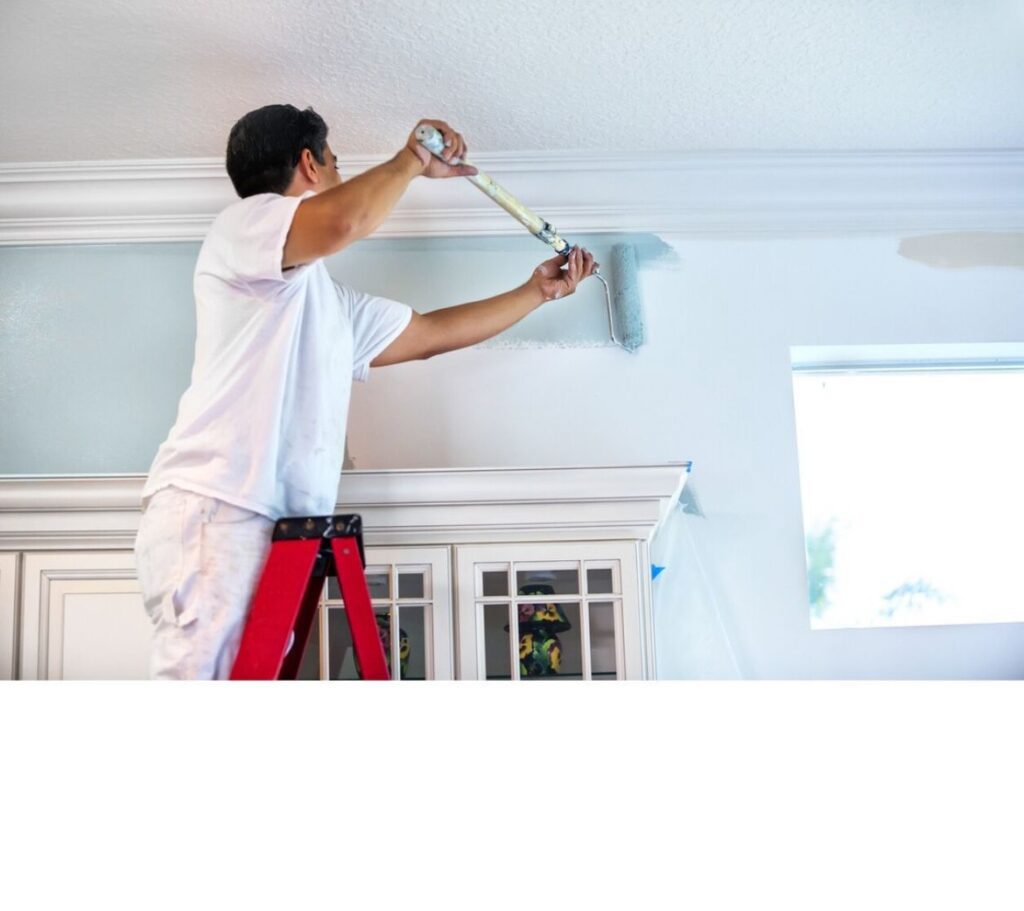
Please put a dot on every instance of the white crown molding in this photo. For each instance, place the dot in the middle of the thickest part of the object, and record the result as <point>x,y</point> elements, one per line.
<point>707,193</point>
<point>423,506</point>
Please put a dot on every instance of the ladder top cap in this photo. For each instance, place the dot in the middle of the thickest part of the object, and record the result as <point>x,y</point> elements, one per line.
<point>303,528</point>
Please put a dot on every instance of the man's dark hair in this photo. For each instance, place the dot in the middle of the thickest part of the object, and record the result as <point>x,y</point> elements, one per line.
<point>265,145</point>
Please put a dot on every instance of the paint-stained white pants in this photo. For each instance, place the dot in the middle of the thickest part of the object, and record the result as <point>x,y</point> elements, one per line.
<point>199,561</point>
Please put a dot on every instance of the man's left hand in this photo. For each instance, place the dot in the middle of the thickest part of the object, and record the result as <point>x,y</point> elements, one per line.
<point>553,281</point>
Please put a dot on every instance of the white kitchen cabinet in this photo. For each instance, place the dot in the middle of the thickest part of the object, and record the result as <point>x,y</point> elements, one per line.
<point>449,552</point>
<point>595,584</point>
<point>82,616</point>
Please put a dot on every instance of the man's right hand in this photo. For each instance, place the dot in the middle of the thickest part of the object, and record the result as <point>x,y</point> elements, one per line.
<point>455,147</point>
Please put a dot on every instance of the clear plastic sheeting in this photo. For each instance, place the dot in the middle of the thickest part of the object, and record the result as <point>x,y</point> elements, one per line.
<point>691,641</point>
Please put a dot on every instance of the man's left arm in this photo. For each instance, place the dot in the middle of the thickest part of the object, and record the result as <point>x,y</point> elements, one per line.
<point>452,328</point>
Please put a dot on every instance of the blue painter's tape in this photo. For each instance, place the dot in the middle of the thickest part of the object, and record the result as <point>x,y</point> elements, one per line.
<point>656,571</point>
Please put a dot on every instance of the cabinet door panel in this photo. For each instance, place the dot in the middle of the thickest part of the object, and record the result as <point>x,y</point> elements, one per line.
<point>410,588</point>
<point>82,617</point>
<point>561,610</point>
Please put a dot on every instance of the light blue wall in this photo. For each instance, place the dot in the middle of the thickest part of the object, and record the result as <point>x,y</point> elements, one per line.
<point>96,341</point>
<point>95,348</point>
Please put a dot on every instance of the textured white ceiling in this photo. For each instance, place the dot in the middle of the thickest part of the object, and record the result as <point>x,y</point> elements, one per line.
<point>117,79</point>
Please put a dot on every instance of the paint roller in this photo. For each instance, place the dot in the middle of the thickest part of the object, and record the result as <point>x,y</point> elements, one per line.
<point>623,304</point>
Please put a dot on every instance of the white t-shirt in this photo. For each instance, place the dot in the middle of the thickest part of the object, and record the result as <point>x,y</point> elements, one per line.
<point>262,424</point>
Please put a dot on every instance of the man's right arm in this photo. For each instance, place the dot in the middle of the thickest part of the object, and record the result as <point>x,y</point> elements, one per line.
<point>329,221</point>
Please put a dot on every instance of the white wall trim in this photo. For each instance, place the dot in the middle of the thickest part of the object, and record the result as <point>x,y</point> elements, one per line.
<point>421,506</point>
<point>707,193</point>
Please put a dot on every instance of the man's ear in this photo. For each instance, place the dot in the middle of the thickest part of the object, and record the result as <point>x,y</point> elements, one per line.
<point>307,165</point>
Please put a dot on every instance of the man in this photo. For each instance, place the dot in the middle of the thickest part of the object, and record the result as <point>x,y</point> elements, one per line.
<point>260,431</point>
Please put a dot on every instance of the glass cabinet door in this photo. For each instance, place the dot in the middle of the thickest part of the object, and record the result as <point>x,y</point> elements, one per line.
<point>557,611</point>
<point>410,591</point>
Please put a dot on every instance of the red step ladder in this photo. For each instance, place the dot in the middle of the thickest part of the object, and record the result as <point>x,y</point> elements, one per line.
<point>304,551</point>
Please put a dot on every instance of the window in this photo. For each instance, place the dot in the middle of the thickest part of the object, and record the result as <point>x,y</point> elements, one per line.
<point>912,483</point>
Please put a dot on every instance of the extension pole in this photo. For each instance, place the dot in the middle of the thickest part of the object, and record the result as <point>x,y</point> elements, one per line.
<point>431,139</point>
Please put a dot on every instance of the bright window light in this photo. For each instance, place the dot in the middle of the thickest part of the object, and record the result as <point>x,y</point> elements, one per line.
<point>912,480</point>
